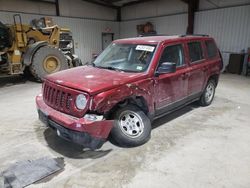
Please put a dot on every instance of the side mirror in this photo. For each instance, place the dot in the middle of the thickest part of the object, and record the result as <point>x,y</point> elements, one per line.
<point>166,67</point>
<point>94,56</point>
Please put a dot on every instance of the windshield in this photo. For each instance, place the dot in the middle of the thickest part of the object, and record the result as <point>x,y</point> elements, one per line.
<point>126,57</point>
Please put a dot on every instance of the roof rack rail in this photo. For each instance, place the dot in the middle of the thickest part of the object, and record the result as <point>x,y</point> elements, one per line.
<point>151,35</point>
<point>201,35</point>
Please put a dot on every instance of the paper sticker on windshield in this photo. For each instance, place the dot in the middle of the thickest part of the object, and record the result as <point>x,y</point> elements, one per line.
<point>145,48</point>
<point>139,67</point>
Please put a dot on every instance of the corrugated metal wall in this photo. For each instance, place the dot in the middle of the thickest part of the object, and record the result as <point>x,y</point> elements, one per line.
<point>153,9</point>
<point>169,25</point>
<point>68,8</point>
<point>229,26</point>
<point>27,6</point>
<point>84,9</point>
<point>213,4</point>
<point>87,33</point>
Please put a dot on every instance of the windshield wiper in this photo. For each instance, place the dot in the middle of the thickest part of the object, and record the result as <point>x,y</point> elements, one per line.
<point>91,63</point>
<point>109,67</point>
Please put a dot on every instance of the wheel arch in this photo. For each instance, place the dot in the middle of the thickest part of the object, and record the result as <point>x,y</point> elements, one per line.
<point>27,59</point>
<point>214,77</point>
<point>139,101</point>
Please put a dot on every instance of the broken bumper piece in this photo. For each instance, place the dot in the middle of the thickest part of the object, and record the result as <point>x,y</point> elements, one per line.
<point>91,131</point>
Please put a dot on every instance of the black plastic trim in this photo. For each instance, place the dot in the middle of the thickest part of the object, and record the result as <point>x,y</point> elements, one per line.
<point>81,138</point>
<point>159,112</point>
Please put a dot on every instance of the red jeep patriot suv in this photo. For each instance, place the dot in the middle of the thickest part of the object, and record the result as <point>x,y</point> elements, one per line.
<point>131,83</point>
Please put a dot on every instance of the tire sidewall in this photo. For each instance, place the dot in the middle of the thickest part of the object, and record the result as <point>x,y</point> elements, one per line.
<point>40,55</point>
<point>203,101</point>
<point>121,138</point>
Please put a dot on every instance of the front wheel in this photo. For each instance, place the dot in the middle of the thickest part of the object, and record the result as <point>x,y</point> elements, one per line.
<point>131,128</point>
<point>208,94</point>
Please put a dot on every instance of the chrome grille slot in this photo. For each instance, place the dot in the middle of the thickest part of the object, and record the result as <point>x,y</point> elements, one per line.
<point>68,101</point>
<point>53,96</point>
<point>57,98</point>
<point>61,98</point>
<point>50,95</point>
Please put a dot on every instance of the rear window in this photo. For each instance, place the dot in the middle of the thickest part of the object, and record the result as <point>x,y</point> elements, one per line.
<point>195,51</point>
<point>211,48</point>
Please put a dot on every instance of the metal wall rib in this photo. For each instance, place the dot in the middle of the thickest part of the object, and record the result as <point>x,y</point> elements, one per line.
<point>169,25</point>
<point>87,33</point>
<point>229,26</point>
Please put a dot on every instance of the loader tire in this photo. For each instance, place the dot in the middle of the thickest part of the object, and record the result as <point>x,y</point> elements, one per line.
<point>77,62</point>
<point>47,60</point>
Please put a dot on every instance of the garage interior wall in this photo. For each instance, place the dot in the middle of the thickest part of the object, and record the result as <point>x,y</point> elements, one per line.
<point>153,9</point>
<point>168,17</point>
<point>87,33</point>
<point>83,9</point>
<point>76,8</point>
<point>225,20</point>
<point>214,4</point>
<point>28,7</point>
<point>229,26</point>
<point>169,25</point>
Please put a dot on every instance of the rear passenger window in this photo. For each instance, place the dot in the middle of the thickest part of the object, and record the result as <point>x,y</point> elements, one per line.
<point>195,51</point>
<point>211,48</point>
<point>173,54</point>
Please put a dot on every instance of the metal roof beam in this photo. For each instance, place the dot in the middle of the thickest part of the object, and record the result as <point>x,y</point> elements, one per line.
<point>135,2</point>
<point>193,6</point>
<point>103,4</point>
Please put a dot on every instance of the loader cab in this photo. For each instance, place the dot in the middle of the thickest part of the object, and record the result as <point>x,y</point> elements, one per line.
<point>5,37</point>
<point>37,24</point>
<point>43,25</point>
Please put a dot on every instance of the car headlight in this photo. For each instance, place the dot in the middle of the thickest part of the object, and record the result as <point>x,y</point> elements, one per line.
<point>81,101</point>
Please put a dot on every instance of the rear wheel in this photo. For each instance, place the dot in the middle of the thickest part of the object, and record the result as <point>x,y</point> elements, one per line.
<point>131,128</point>
<point>208,94</point>
<point>47,60</point>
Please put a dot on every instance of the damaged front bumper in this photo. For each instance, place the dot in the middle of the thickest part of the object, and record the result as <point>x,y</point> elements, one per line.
<point>91,131</point>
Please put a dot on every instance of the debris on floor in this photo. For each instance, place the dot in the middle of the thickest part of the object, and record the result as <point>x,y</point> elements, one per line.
<point>24,173</point>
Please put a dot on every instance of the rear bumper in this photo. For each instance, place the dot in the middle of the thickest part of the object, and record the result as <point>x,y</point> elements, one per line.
<point>90,134</point>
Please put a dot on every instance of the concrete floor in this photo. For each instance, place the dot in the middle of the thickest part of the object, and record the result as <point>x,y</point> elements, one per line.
<point>193,147</point>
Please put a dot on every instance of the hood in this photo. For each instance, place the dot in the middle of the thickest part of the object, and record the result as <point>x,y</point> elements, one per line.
<point>92,79</point>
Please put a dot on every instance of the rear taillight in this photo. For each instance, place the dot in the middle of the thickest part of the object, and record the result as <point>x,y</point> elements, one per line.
<point>221,64</point>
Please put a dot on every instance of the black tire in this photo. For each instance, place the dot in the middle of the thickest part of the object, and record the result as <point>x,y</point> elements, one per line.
<point>208,93</point>
<point>37,67</point>
<point>77,62</point>
<point>120,135</point>
<point>26,73</point>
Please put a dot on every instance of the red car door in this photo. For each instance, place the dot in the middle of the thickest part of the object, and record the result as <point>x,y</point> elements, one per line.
<point>198,67</point>
<point>171,88</point>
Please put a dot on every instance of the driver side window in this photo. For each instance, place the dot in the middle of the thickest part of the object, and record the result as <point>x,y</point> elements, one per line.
<point>173,54</point>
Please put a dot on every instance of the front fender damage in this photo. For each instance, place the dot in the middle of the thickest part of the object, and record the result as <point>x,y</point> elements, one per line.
<point>103,102</point>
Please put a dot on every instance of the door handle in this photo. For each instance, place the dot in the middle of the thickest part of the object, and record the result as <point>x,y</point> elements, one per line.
<point>205,69</point>
<point>184,76</point>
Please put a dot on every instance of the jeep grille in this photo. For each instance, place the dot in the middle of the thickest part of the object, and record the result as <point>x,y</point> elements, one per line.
<point>61,98</point>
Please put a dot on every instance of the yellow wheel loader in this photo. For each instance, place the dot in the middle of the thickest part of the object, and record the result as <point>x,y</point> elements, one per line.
<point>39,49</point>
